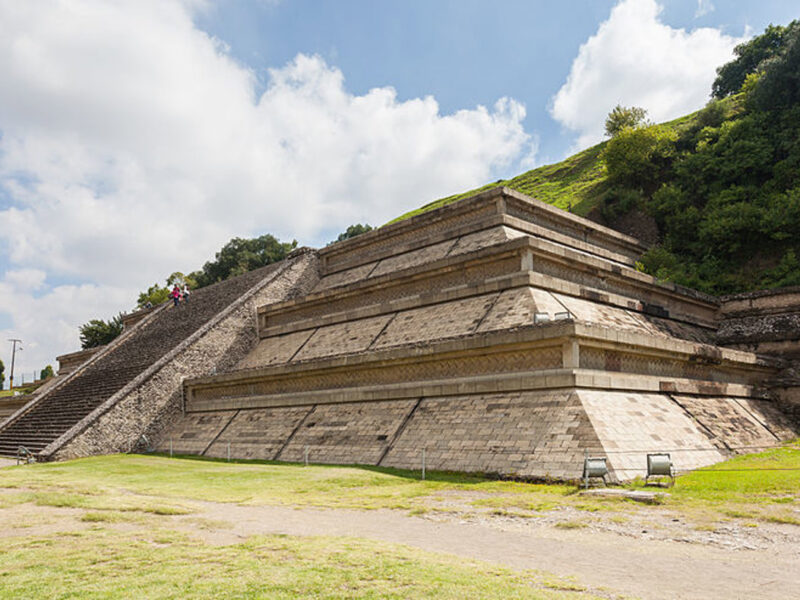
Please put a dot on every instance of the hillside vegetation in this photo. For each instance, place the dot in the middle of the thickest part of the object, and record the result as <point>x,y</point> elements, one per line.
<point>573,184</point>
<point>720,187</point>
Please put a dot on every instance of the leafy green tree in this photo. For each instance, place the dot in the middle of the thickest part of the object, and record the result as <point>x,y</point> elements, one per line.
<point>46,372</point>
<point>622,117</point>
<point>156,294</point>
<point>240,256</point>
<point>779,85</point>
<point>639,157</point>
<point>750,57</point>
<point>98,332</point>
<point>353,231</point>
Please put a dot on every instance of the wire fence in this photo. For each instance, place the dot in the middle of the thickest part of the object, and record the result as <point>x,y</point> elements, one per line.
<point>439,458</point>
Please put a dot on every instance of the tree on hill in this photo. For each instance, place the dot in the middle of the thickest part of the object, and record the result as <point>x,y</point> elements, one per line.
<point>241,255</point>
<point>46,372</point>
<point>751,57</point>
<point>638,157</point>
<point>779,85</point>
<point>623,117</point>
<point>98,332</point>
<point>156,294</point>
<point>353,231</point>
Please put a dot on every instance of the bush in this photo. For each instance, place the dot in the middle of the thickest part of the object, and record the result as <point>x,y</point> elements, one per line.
<point>639,157</point>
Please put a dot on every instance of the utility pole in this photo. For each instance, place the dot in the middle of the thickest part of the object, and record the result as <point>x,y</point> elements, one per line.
<point>14,343</point>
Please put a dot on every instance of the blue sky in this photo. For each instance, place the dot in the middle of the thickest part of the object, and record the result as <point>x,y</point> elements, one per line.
<point>137,138</point>
<point>462,52</point>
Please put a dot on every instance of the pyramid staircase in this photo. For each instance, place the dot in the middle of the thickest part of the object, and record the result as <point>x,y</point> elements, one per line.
<point>44,421</point>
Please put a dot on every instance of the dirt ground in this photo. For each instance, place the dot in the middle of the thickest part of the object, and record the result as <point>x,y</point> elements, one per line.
<point>657,556</point>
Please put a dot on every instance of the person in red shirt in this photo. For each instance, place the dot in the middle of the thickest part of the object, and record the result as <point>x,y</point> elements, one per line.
<point>175,294</point>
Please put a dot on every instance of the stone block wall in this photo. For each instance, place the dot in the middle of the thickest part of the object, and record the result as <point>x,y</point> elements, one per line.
<point>533,434</point>
<point>524,434</point>
<point>257,434</point>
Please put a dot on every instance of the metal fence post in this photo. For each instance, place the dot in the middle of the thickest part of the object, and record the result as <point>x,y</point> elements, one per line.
<point>305,455</point>
<point>585,470</point>
<point>229,452</point>
<point>170,447</point>
<point>423,464</point>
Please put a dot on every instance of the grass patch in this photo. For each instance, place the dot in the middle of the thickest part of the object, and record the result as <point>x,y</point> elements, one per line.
<point>739,488</point>
<point>575,183</point>
<point>239,482</point>
<point>104,517</point>
<point>763,486</point>
<point>571,524</point>
<point>104,563</point>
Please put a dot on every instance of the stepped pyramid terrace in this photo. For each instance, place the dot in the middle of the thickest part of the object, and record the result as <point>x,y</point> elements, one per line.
<point>498,334</point>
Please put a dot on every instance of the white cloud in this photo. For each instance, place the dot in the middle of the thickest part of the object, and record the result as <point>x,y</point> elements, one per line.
<point>133,145</point>
<point>636,60</point>
<point>704,7</point>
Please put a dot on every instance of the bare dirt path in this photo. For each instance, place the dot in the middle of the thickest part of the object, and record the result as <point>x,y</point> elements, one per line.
<point>640,568</point>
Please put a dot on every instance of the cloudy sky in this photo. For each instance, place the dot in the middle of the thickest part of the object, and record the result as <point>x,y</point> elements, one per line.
<point>138,137</point>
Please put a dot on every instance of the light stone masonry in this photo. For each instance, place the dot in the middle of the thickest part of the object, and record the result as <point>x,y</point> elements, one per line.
<point>348,433</point>
<point>258,434</point>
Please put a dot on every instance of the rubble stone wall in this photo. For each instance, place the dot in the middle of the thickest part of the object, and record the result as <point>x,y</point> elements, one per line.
<point>149,404</point>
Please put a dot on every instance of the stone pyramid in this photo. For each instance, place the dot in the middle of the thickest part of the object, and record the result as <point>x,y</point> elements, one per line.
<point>495,335</point>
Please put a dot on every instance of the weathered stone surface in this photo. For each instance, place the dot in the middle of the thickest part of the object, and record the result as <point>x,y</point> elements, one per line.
<point>631,425</point>
<point>275,350</point>
<point>730,424</point>
<point>516,308</point>
<point>152,399</point>
<point>193,433</point>
<point>436,322</point>
<point>351,336</point>
<point>525,434</point>
<point>347,433</point>
<point>258,434</point>
<point>483,239</point>
<point>413,258</point>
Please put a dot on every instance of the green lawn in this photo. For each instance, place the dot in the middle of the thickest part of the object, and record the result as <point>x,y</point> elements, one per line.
<point>159,563</point>
<point>107,529</point>
<point>765,485</point>
<point>127,546</point>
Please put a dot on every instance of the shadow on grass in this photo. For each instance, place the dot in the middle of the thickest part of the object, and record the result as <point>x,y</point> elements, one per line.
<point>436,476</point>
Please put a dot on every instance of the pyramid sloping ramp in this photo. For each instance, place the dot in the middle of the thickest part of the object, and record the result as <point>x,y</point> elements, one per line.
<point>107,403</point>
<point>630,425</point>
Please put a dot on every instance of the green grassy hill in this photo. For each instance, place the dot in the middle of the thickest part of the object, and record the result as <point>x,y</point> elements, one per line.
<point>575,183</point>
